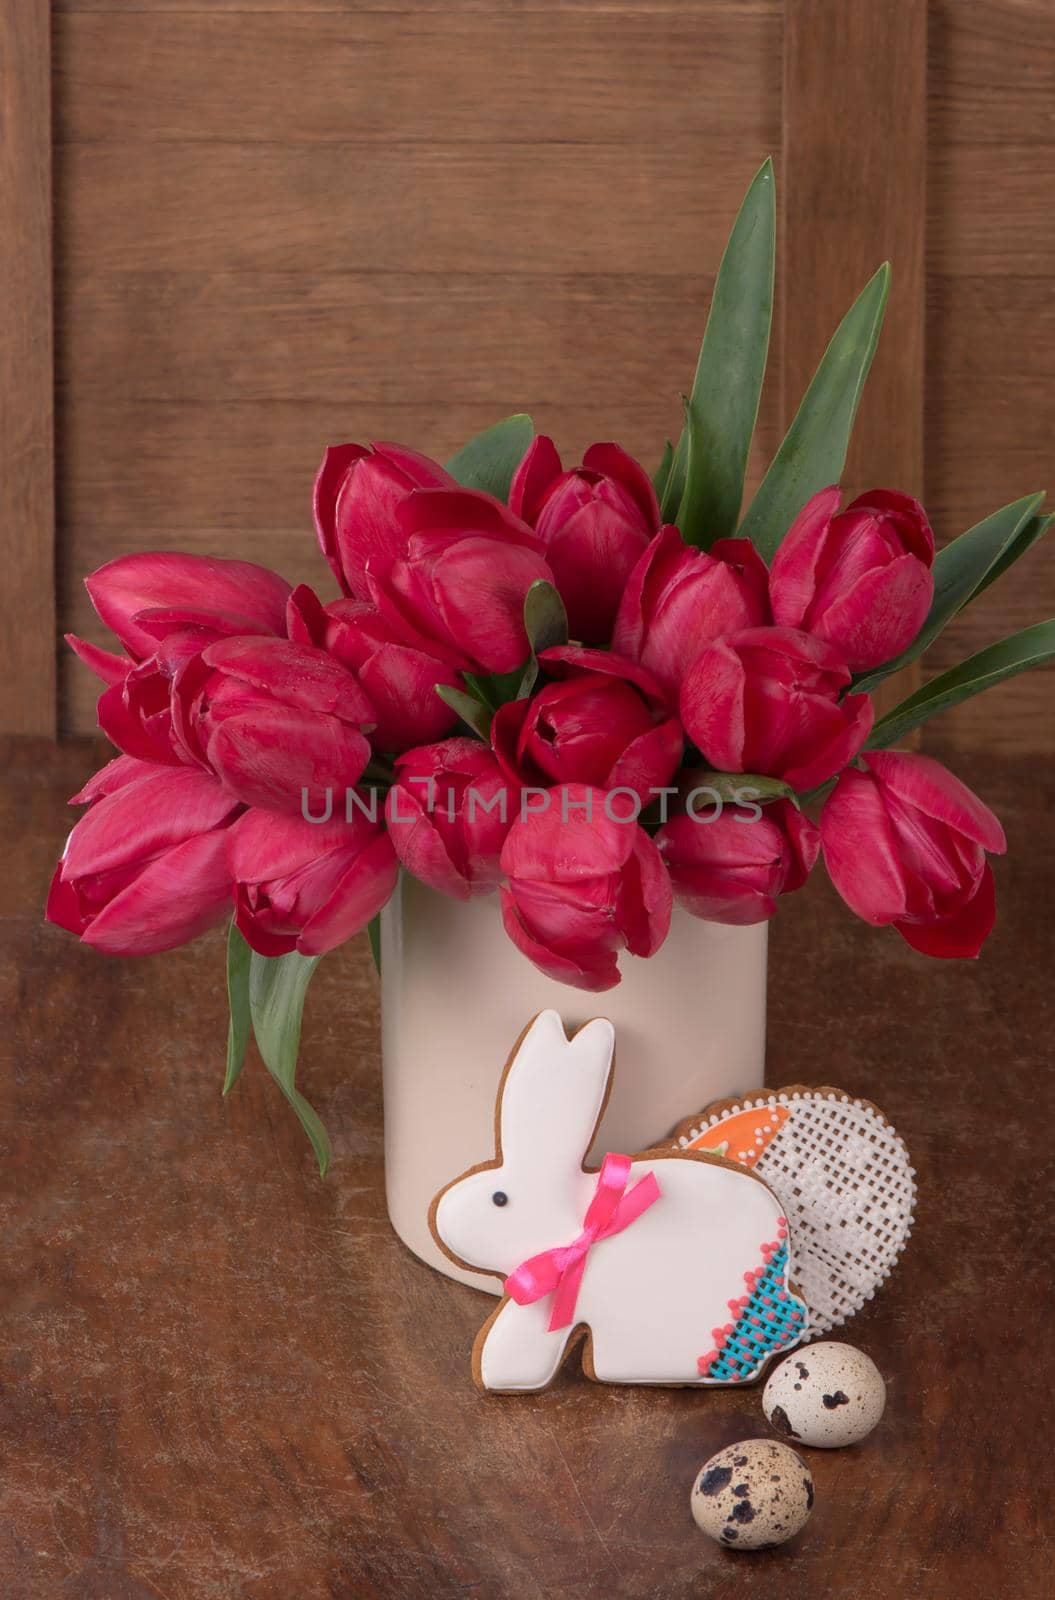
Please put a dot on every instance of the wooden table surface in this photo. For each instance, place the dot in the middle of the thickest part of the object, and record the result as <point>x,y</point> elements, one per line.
<point>223,1377</point>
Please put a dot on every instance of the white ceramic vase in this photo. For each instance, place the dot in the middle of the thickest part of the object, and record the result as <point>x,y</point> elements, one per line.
<point>456,994</point>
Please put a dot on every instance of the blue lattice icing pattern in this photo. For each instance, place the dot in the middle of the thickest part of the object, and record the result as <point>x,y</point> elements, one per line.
<point>766,1318</point>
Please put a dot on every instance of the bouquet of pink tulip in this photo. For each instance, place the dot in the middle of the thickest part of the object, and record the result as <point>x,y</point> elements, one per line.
<point>588,690</point>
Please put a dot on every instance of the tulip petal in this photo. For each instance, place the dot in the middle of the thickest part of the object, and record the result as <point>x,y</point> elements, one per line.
<point>294,674</point>
<point>566,843</point>
<point>835,745</point>
<point>116,773</point>
<point>794,570</point>
<point>538,469</point>
<point>176,897</point>
<point>464,512</point>
<point>155,578</point>
<point>922,782</point>
<point>881,614</point>
<point>144,817</point>
<point>861,850</point>
<point>366,886</point>
<point>913,527</point>
<point>328,480</point>
<point>263,845</point>
<point>612,461</point>
<point>420,845</point>
<point>105,664</point>
<point>646,898</point>
<point>64,907</point>
<point>649,762</point>
<point>961,934</point>
<point>594,969</point>
<point>272,756</point>
<point>560,659</point>
<point>712,706</point>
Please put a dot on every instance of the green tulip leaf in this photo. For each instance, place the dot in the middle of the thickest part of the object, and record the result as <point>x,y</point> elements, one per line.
<point>277,987</point>
<point>373,933</point>
<point>238,958</point>
<point>727,786</point>
<point>1030,648</point>
<point>813,452</point>
<point>475,715</point>
<point>546,625</point>
<point>1024,540</point>
<point>704,494</point>
<point>662,472</point>
<point>692,529</point>
<point>961,570</point>
<point>545,619</point>
<point>489,461</point>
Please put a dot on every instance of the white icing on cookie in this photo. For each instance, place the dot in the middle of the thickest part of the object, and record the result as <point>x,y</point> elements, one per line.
<point>674,1294</point>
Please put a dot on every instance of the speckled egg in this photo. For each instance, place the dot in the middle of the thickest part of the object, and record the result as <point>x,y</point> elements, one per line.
<point>753,1495</point>
<point>827,1395</point>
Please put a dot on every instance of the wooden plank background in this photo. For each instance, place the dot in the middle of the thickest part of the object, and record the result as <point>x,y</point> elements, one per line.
<point>280,223</point>
<point>401,223</point>
<point>27,514</point>
<point>990,397</point>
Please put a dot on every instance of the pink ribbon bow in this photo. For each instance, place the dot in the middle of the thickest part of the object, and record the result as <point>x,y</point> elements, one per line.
<point>559,1271</point>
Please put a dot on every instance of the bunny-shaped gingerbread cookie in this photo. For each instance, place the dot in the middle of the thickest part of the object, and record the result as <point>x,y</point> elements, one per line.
<point>674,1264</point>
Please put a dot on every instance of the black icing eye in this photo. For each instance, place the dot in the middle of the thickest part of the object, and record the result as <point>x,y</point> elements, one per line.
<point>500,1197</point>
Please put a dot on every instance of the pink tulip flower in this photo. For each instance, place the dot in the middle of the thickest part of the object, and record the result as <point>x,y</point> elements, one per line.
<point>594,521</point>
<point>276,721</point>
<point>606,726</point>
<point>145,869</point>
<point>165,608</point>
<point>357,492</point>
<point>458,593</point>
<point>679,599</point>
<point>861,578</point>
<point>767,700</point>
<point>905,844</point>
<point>399,679</point>
<point>308,886</point>
<point>583,884</point>
<point>448,814</point>
<point>731,866</point>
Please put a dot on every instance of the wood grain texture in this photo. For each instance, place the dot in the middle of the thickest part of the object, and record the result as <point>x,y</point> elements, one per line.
<point>990,416</point>
<point>227,1380</point>
<point>851,201</point>
<point>27,518</point>
<point>404,223</point>
<point>541,76</point>
<point>390,208</point>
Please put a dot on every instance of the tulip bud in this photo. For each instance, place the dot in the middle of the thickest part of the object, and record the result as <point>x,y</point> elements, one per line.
<point>308,886</point>
<point>731,866</point>
<point>679,600</point>
<point>594,521</point>
<point>399,679</point>
<point>767,700</point>
<point>905,844</point>
<point>357,493</point>
<point>585,880</point>
<point>448,814</point>
<point>606,727</point>
<point>274,720</point>
<point>145,869</point>
<point>459,591</point>
<point>860,579</point>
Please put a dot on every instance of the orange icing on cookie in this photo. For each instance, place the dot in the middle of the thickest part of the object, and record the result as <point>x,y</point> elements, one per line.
<point>746,1133</point>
